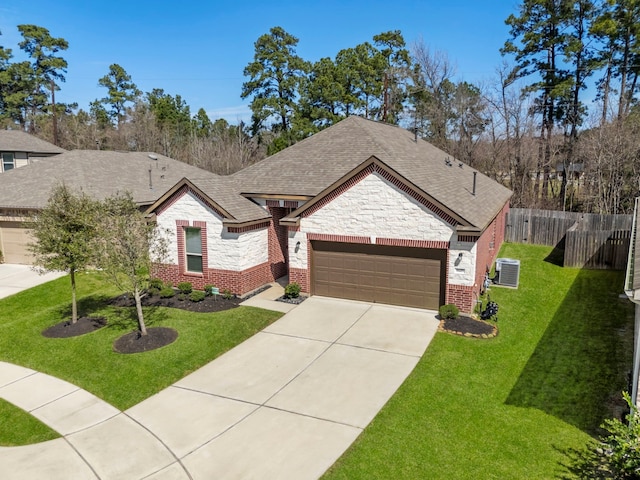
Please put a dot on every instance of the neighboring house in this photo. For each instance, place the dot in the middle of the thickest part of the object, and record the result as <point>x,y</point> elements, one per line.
<point>361,210</point>
<point>25,190</point>
<point>632,289</point>
<point>18,148</point>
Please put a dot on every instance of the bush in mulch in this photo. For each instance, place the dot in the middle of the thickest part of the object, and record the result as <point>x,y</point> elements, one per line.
<point>468,327</point>
<point>135,342</point>
<point>291,300</point>
<point>208,304</point>
<point>66,329</point>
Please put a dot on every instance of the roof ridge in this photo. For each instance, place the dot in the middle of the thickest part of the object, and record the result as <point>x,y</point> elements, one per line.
<point>372,136</point>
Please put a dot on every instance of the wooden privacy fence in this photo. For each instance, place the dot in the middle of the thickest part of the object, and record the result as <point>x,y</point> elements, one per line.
<point>588,240</point>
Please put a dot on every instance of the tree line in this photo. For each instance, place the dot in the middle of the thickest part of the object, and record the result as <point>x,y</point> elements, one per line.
<point>557,123</point>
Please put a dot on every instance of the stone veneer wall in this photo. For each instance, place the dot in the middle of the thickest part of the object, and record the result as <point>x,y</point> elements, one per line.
<point>234,259</point>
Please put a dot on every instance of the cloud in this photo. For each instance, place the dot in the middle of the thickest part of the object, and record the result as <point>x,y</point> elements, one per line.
<point>231,114</point>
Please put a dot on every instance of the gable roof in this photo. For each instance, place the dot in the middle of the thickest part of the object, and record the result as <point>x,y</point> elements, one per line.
<point>220,193</point>
<point>310,166</point>
<point>374,165</point>
<point>98,173</point>
<point>19,141</point>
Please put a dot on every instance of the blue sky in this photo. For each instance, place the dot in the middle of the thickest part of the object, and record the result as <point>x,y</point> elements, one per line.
<point>199,49</point>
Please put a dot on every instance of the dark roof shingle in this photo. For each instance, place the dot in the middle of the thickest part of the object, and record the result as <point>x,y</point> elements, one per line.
<point>310,166</point>
<point>99,173</point>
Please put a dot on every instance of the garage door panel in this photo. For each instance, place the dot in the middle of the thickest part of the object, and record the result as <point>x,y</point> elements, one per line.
<point>374,273</point>
<point>14,241</point>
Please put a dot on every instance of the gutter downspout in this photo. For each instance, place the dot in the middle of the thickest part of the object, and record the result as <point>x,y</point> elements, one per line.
<point>630,292</point>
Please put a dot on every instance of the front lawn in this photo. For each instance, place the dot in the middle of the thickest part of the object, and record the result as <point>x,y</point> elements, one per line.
<point>509,407</point>
<point>18,427</point>
<point>89,360</point>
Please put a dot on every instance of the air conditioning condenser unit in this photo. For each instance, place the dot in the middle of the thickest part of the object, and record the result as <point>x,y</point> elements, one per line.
<point>507,272</point>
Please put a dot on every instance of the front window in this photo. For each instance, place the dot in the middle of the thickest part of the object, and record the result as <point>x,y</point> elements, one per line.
<point>193,244</point>
<point>7,162</point>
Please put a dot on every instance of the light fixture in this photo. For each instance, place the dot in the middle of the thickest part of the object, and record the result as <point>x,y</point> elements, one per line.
<point>458,260</point>
<point>297,246</point>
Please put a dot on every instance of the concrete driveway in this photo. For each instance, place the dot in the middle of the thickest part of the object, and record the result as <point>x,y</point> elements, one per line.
<point>15,278</point>
<point>284,404</point>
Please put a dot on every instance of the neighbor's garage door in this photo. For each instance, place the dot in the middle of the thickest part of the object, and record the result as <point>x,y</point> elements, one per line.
<point>13,242</point>
<point>412,277</point>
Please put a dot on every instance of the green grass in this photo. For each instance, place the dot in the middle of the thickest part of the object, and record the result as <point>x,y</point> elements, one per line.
<point>18,427</point>
<point>509,407</point>
<point>89,360</point>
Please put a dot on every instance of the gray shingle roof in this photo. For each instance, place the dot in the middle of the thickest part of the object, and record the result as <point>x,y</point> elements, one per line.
<point>19,141</point>
<point>315,163</point>
<point>224,192</point>
<point>98,173</point>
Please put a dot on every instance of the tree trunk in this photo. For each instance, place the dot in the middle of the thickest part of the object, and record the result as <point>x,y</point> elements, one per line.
<point>141,325</point>
<point>74,304</point>
<point>606,88</point>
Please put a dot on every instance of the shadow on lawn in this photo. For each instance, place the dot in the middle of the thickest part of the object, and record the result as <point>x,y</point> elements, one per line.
<point>579,367</point>
<point>87,306</point>
<point>126,318</point>
<point>119,318</point>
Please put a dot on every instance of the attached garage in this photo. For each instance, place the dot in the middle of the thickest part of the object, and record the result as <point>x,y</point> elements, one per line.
<point>14,239</point>
<point>412,277</point>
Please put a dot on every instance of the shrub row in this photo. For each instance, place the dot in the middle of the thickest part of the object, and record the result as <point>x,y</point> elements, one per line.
<point>185,290</point>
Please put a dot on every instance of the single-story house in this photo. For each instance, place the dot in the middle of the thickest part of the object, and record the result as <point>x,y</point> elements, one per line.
<point>100,174</point>
<point>18,148</point>
<point>361,210</point>
<point>632,289</point>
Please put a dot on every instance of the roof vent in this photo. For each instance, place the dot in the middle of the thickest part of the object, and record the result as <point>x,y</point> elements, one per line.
<point>153,157</point>
<point>447,162</point>
<point>460,164</point>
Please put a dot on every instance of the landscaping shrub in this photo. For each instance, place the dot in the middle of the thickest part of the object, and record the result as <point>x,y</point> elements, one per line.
<point>292,290</point>
<point>185,287</point>
<point>449,311</point>
<point>226,294</point>
<point>182,297</point>
<point>153,291</point>
<point>167,292</point>
<point>208,288</point>
<point>197,296</point>
<point>156,283</point>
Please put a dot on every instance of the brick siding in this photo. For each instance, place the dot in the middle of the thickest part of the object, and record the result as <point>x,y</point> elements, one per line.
<point>237,282</point>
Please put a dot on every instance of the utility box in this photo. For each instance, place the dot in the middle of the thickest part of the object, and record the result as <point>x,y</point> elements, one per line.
<point>507,272</point>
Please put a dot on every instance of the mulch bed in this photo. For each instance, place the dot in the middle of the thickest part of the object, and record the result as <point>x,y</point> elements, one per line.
<point>67,329</point>
<point>156,336</point>
<point>208,305</point>
<point>134,342</point>
<point>293,301</point>
<point>468,327</point>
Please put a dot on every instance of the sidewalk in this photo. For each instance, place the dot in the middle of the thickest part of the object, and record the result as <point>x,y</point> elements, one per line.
<point>267,299</point>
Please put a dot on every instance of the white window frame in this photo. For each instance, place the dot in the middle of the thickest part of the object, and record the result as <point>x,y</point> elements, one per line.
<point>5,162</point>
<point>194,254</point>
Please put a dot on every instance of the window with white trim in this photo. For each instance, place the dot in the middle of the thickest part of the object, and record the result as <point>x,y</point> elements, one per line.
<point>8,161</point>
<point>193,249</point>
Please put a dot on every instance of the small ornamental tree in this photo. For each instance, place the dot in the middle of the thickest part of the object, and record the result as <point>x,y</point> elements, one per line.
<point>63,232</point>
<point>128,246</point>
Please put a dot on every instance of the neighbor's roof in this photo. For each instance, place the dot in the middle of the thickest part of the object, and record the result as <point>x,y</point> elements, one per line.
<point>310,166</point>
<point>98,173</point>
<point>19,141</point>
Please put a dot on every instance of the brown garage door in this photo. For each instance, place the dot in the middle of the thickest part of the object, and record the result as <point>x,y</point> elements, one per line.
<point>14,240</point>
<point>412,277</point>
